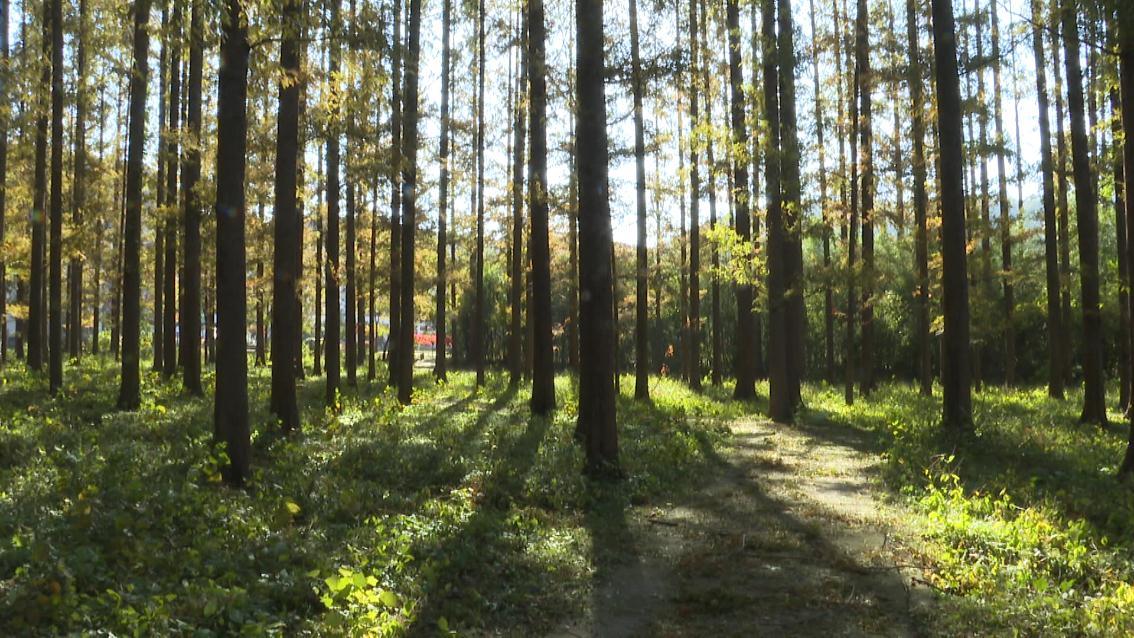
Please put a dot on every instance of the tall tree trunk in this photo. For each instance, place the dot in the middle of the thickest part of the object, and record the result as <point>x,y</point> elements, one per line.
<point>780,404</point>
<point>573,254</point>
<point>1121,232</point>
<point>516,255</point>
<point>129,393</point>
<point>157,335</point>
<point>849,360</point>
<point>440,367</point>
<point>716,336</point>
<point>169,307</point>
<point>828,289</point>
<point>55,259</point>
<point>4,124</point>
<point>543,361</point>
<point>190,176</point>
<point>409,205</point>
<point>955,373</point>
<point>231,418</point>
<point>287,250</point>
<point>1086,217</point>
<point>1055,327</point>
<point>921,241</point>
<point>791,207</point>
<point>1126,83</point>
<point>478,319</point>
<point>332,336</point>
<point>36,322</point>
<point>597,418</point>
<point>683,272</point>
<point>1009,335</point>
<point>317,365</point>
<point>350,303</point>
<point>396,107</point>
<point>694,332</point>
<point>745,361</point>
<point>78,191</point>
<point>757,162</point>
<point>261,353</point>
<point>1062,208</point>
<point>866,193</point>
<point>642,325</point>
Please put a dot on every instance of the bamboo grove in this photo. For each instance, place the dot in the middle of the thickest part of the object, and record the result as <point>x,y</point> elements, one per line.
<point>724,192</point>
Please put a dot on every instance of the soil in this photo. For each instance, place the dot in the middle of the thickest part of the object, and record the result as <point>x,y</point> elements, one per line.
<point>792,536</point>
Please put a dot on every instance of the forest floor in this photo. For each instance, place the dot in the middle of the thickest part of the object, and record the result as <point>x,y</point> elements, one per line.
<point>791,535</point>
<point>464,515</point>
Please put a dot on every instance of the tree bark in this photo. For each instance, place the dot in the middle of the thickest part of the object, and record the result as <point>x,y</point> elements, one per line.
<point>1009,335</point>
<point>641,324</point>
<point>332,336</point>
<point>1086,216</point>
<point>190,176</point>
<point>169,307</point>
<point>440,368</point>
<point>694,322</point>
<point>597,417</point>
<point>231,418</point>
<point>287,251</point>
<point>396,106</point>
<point>955,373</point>
<point>516,255</point>
<point>36,268</point>
<point>129,392</point>
<point>745,362</point>
<point>866,193</point>
<point>78,193</point>
<point>55,259</point>
<point>543,362</point>
<point>409,205</point>
<point>478,320</point>
<point>921,240</point>
<point>1065,342</point>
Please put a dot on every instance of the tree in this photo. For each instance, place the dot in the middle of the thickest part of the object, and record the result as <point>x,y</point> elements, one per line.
<point>543,362</point>
<point>1086,216</point>
<point>36,320</point>
<point>642,325</point>
<point>694,322</point>
<point>55,259</point>
<point>866,191</point>
<point>478,319</point>
<point>396,106</point>
<point>745,360</point>
<point>129,393</point>
<point>157,339</point>
<point>287,253</point>
<point>331,239</point>
<point>955,373</point>
<point>1062,210</point>
<point>792,208</point>
<point>231,416</point>
<point>78,189</point>
<point>516,250</point>
<point>828,288</point>
<point>4,123</point>
<point>597,409</point>
<point>169,307</point>
<point>409,205</point>
<point>780,403</point>
<point>921,240</point>
<point>439,369</point>
<point>191,217</point>
<point>1126,83</point>
<point>1009,335</point>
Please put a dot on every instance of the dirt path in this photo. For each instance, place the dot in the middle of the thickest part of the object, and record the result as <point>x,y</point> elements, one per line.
<point>790,538</point>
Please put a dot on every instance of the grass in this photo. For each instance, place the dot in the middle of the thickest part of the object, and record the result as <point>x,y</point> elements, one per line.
<point>464,514</point>
<point>461,513</point>
<point>1025,527</point>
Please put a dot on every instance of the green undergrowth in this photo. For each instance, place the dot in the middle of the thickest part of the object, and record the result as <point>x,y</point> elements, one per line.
<point>1027,529</point>
<point>459,514</point>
